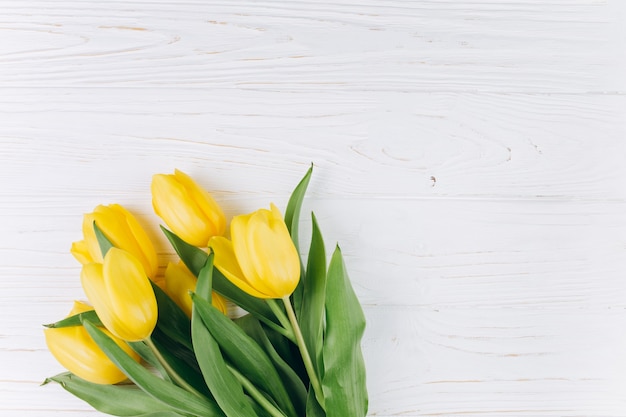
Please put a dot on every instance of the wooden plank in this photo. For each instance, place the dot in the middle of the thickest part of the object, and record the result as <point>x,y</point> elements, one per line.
<point>496,46</point>
<point>405,146</point>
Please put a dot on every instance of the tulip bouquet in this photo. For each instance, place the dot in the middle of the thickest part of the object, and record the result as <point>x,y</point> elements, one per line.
<point>165,346</point>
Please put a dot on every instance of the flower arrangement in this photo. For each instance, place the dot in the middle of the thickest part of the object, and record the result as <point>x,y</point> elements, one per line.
<point>164,346</point>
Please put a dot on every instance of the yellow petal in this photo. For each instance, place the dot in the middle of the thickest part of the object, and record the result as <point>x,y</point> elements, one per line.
<point>226,262</point>
<point>131,298</point>
<point>173,204</point>
<point>80,251</point>
<point>219,302</point>
<point>92,280</point>
<point>80,307</point>
<point>91,242</point>
<point>178,282</point>
<point>265,252</point>
<point>78,353</point>
<point>124,232</point>
<point>273,253</point>
<point>139,244</point>
<point>205,202</point>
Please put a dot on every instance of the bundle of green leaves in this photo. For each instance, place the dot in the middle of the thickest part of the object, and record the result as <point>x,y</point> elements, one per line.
<point>294,352</point>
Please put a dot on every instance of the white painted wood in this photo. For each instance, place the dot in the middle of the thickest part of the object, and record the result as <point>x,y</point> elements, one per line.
<point>468,159</point>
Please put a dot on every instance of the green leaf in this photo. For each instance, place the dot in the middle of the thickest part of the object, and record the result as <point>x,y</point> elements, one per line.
<point>117,400</point>
<point>148,355</point>
<point>311,317</point>
<point>103,241</point>
<point>292,220</point>
<point>204,284</point>
<point>195,259</point>
<point>171,396</point>
<point>172,321</point>
<point>175,350</point>
<point>183,362</point>
<point>245,354</point>
<point>224,386</point>
<point>76,320</point>
<point>313,408</point>
<point>292,212</point>
<point>294,385</point>
<point>343,383</point>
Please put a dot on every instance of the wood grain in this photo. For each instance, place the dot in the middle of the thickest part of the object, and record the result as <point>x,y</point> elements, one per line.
<point>469,159</point>
<point>498,46</point>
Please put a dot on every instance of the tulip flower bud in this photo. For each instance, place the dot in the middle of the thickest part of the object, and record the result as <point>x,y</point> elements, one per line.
<point>179,281</point>
<point>261,259</point>
<point>187,209</point>
<point>78,353</point>
<point>121,295</point>
<point>124,232</point>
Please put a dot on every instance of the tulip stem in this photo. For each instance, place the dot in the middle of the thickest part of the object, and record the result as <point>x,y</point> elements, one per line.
<point>170,371</point>
<point>306,358</point>
<point>285,330</point>
<point>256,394</point>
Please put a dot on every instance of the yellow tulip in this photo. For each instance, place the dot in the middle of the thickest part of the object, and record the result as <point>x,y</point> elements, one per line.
<point>124,232</point>
<point>186,208</point>
<point>78,353</point>
<point>179,281</point>
<point>121,294</point>
<point>261,259</point>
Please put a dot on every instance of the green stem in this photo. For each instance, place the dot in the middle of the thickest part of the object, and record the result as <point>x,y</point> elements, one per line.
<point>170,371</point>
<point>284,321</point>
<point>256,394</point>
<point>308,364</point>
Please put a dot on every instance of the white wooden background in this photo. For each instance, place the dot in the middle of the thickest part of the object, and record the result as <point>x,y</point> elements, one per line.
<point>470,160</point>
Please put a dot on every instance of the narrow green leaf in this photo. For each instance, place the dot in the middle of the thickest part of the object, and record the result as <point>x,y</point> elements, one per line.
<point>292,220</point>
<point>245,354</point>
<point>313,408</point>
<point>117,400</point>
<point>171,396</point>
<point>226,389</point>
<point>147,355</point>
<point>183,362</point>
<point>204,284</point>
<point>103,241</point>
<point>76,320</point>
<point>344,386</point>
<point>175,349</point>
<point>292,212</point>
<point>312,312</point>
<point>295,387</point>
<point>172,321</point>
<point>195,259</point>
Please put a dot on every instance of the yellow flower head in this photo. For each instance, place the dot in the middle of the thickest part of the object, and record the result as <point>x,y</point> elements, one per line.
<point>261,259</point>
<point>122,295</point>
<point>179,281</point>
<point>124,232</point>
<point>186,208</point>
<point>78,353</point>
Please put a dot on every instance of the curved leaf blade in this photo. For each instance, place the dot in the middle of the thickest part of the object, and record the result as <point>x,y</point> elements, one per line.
<point>293,384</point>
<point>76,320</point>
<point>343,383</point>
<point>292,212</point>
<point>170,395</point>
<point>117,400</point>
<point>312,309</point>
<point>245,354</point>
<point>224,386</point>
